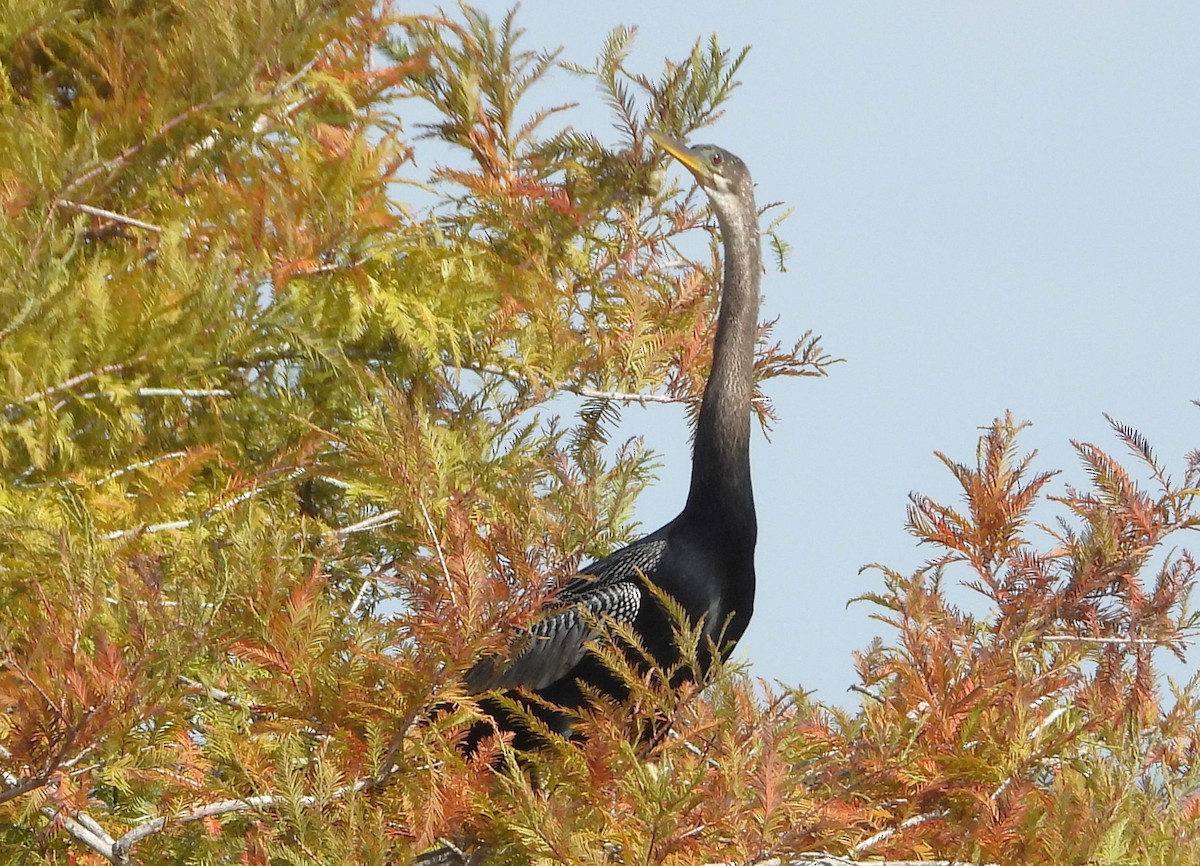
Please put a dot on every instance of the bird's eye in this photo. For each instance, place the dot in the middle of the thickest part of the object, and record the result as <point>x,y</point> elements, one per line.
<point>715,159</point>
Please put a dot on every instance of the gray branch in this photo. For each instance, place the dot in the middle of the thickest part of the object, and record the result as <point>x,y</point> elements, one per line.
<point>64,385</point>
<point>112,215</point>
<point>1183,637</point>
<point>265,802</point>
<point>204,515</point>
<point>184,392</point>
<point>219,695</point>
<point>624,396</point>
<point>883,835</point>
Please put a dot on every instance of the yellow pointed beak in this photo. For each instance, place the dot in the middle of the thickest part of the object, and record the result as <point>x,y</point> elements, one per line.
<point>691,161</point>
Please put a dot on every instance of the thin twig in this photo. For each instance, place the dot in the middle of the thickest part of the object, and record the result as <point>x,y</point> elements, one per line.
<point>1051,717</point>
<point>110,214</point>
<point>1183,637</point>
<point>289,83</point>
<point>437,545</point>
<point>261,122</point>
<point>22,315</point>
<point>580,390</point>
<point>250,494</point>
<point>373,522</point>
<point>184,392</point>
<point>862,690</point>
<point>204,515</point>
<point>624,396</point>
<point>333,267</point>
<point>361,596</point>
<point>219,695</point>
<point>62,198</point>
<point>264,802</point>
<point>817,859</point>
<point>17,786</point>
<point>1048,721</point>
<point>79,825</point>
<point>134,149</point>
<point>883,835</point>
<point>148,530</point>
<point>65,385</point>
<point>170,455</point>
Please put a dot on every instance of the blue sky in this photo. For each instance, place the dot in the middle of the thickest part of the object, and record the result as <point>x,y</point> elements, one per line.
<point>997,207</point>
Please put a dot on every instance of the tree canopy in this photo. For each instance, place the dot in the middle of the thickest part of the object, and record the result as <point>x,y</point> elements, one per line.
<point>314,325</point>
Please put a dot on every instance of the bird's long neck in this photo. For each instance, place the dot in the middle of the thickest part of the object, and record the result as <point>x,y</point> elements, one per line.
<point>721,489</point>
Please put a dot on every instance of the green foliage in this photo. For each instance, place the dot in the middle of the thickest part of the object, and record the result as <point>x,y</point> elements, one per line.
<point>281,451</point>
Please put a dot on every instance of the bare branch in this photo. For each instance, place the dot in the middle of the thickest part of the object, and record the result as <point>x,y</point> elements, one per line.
<point>1048,721</point>
<point>81,826</point>
<point>1051,717</point>
<point>361,596</point>
<point>580,390</point>
<point>170,455</point>
<point>437,545</point>
<point>152,528</point>
<point>373,522</point>
<point>92,825</point>
<point>883,835</point>
<point>334,267</point>
<point>216,509</point>
<point>1182,637</point>
<point>112,215</point>
<point>184,392</point>
<point>250,494</point>
<point>875,696</point>
<point>831,860</point>
<point>22,315</point>
<point>218,695</point>
<point>265,802</point>
<point>101,842</point>
<point>262,122</point>
<point>819,859</point>
<point>210,810</point>
<point>64,385</point>
<point>624,396</point>
<point>120,160</point>
<point>16,787</point>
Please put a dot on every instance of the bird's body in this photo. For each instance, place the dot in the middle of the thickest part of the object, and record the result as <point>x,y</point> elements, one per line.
<point>704,558</point>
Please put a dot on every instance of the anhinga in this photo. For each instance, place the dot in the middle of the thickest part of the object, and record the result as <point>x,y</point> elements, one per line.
<point>704,558</point>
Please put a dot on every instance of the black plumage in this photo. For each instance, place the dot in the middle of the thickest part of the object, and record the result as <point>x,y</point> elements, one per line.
<point>704,558</point>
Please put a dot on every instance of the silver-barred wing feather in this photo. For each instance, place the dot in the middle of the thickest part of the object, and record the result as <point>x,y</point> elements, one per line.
<point>631,563</point>
<point>608,588</point>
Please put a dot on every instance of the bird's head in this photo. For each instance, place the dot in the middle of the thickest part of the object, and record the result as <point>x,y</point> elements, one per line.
<point>720,173</point>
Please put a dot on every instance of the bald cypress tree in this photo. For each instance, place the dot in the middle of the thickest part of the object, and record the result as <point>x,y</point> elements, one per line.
<point>314,326</point>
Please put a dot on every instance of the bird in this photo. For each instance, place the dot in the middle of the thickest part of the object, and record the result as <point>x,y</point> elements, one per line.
<point>704,558</point>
